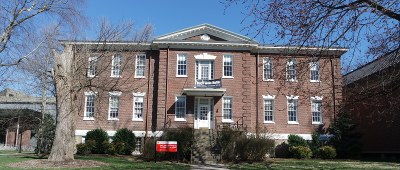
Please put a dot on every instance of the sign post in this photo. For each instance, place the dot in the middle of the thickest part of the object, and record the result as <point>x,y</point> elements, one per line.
<point>166,146</point>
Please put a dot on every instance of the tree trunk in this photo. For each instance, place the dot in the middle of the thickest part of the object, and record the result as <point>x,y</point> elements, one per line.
<point>64,141</point>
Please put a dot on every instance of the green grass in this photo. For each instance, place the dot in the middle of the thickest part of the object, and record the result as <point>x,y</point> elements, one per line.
<point>114,162</point>
<point>316,164</point>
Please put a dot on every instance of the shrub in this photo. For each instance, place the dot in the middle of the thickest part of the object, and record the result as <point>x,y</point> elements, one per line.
<point>327,152</point>
<point>82,149</point>
<point>90,144</point>
<point>282,150</point>
<point>253,149</point>
<point>99,136</point>
<point>295,140</point>
<point>301,152</point>
<point>120,148</point>
<point>127,138</point>
<point>184,136</point>
<point>226,141</point>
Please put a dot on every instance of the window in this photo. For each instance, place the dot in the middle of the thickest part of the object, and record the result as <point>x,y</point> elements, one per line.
<point>138,147</point>
<point>316,110</point>
<point>314,71</point>
<point>180,108</point>
<point>140,66</point>
<point>93,64</point>
<point>228,66</point>
<point>89,106</point>
<point>181,70</point>
<point>291,70</point>
<point>227,109</point>
<point>113,105</point>
<point>268,70</point>
<point>138,106</point>
<point>269,109</point>
<point>292,106</point>
<point>116,66</point>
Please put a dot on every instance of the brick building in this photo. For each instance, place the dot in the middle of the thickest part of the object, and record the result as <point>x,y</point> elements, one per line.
<point>205,77</point>
<point>371,95</point>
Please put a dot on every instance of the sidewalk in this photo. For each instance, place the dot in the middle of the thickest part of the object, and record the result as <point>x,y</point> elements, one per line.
<point>209,166</point>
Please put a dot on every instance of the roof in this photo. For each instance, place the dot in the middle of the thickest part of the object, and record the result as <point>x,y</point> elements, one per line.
<point>372,67</point>
<point>206,36</point>
<point>12,96</point>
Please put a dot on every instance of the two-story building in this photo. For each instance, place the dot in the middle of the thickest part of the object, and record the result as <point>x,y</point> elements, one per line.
<point>205,77</point>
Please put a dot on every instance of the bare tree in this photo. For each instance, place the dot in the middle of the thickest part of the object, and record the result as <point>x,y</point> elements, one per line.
<point>70,76</point>
<point>325,23</point>
<point>20,20</point>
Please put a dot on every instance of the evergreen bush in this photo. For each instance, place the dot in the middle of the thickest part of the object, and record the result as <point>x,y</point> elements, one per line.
<point>327,152</point>
<point>184,137</point>
<point>99,136</point>
<point>253,149</point>
<point>296,140</point>
<point>127,138</point>
<point>301,152</point>
<point>82,149</point>
<point>282,150</point>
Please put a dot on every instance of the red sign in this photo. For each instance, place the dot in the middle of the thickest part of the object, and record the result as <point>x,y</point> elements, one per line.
<point>167,146</point>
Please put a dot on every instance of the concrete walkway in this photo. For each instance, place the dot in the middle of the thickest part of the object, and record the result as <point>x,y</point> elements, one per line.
<point>209,166</point>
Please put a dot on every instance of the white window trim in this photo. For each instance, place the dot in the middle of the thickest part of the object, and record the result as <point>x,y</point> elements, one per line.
<point>292,97</point>
<point>88,71</point>
<point>136,65</point>
<point>227,120</point>
<point>319,72</point>
<point>223,68</point>
<point>270,97</point>
<point>138,94</point>
<point>184,112</point>
<point>84,112</point>
<point>264,69</point>
<point>316,98</point>
<point>295,70</point>
<point>113,93</point>
<point>177,61</point>
<point>112,65</point>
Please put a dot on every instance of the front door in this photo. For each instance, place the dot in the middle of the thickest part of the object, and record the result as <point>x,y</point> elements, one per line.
<point>203,113</point>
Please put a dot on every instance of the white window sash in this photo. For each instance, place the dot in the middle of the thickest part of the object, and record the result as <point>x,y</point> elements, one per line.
<point>86,115</point>
<point>116,66</point>
<point>138,108</point>
<point>114,103</point>
<point>181,65</point>
<point>292,111</point>
<point>227,66</point>
<point>291,70</point>
<point>93,66</point>
<point>314,72</point>
<point>268,69</point>
<point>180,108</point>
<point>140,66</point>
<point>316,110</point>
<point>227,109</point>
<point>269,109</point>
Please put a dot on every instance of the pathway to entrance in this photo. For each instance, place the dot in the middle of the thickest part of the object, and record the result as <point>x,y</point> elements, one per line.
<point>209,166</point>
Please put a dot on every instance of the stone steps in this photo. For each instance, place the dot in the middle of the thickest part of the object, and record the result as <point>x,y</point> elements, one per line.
<point>202,149</point>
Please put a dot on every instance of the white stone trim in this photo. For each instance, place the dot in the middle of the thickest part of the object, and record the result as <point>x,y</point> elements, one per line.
<point>205,56</point>
<point>292,97</point>
<point>317,98</point>
<point>112,133</point>
<point>268,96</point>
<point>283,136</point>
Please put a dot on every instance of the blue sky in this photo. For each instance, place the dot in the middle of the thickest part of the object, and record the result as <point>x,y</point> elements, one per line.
<point>166,15</point>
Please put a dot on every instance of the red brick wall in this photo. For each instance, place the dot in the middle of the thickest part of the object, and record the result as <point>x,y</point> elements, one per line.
<point>242,88</point>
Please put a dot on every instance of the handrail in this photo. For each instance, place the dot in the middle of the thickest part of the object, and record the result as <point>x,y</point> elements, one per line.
<point>239,124</point>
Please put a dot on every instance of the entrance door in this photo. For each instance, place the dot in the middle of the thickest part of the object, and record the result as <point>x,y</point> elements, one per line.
<point>204,70</point>
<point>204,113</point>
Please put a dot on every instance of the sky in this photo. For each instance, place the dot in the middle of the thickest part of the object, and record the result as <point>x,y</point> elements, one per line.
<point>166,16</point>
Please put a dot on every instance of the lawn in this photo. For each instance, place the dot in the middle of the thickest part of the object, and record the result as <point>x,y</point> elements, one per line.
<point>114,162</point>
<point>316,164</point>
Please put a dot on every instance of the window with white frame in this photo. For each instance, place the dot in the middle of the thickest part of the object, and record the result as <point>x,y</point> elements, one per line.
<point>269,108</point>
<point>228,66</point>
<point>113,109</point>
<point>138,106</point>
<point>138,144</point>
<point>268,70</point>
<point>314,71</point>
<point>140,65</point>
<point>227,109</point>
<point>181,65</point>
<point>89,106</point>
<point>316,110</point>
<point>292,108</point>
<point>291,70</point>
<point>116,66</point>
<point>180,108</point>
<point>93,65</point>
